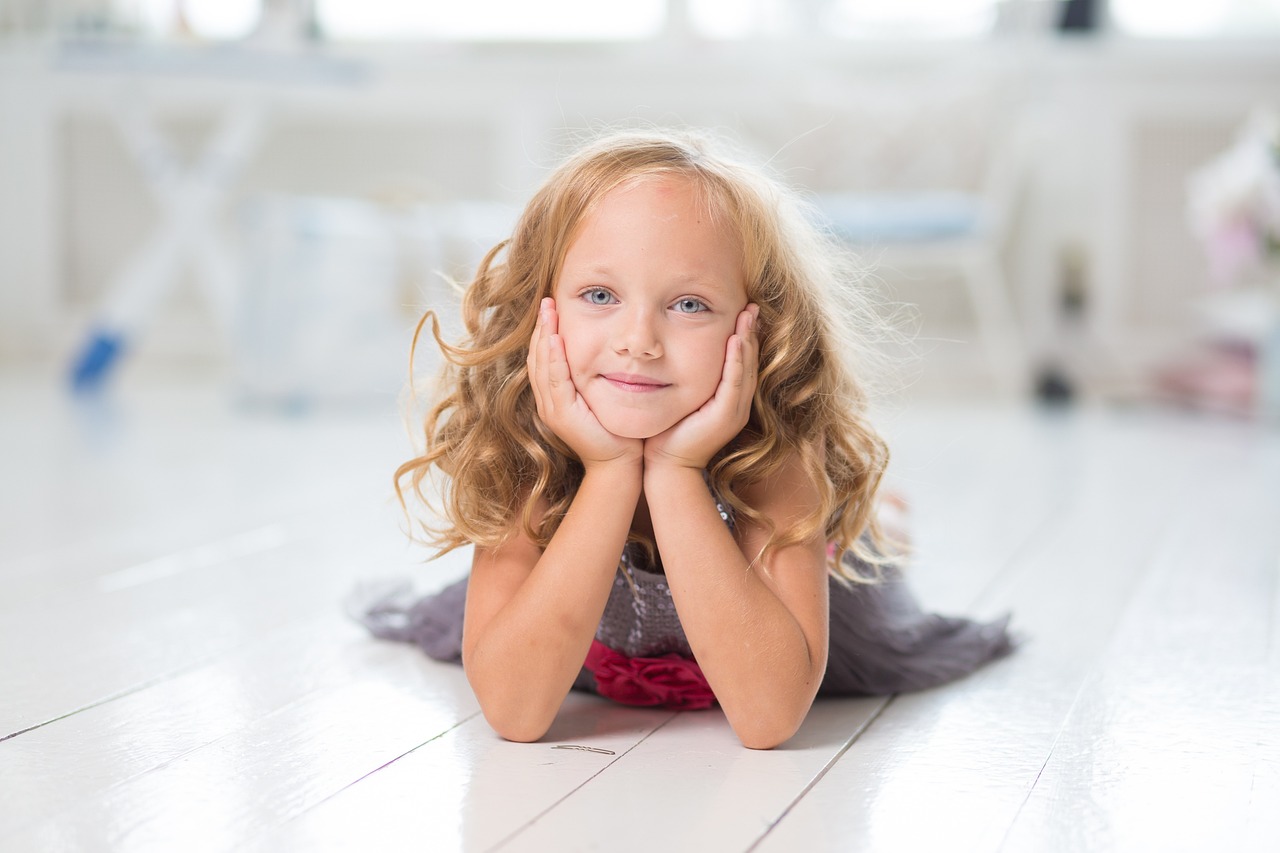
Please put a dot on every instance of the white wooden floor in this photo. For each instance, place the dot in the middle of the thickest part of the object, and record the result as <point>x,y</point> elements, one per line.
<point>176,672</point>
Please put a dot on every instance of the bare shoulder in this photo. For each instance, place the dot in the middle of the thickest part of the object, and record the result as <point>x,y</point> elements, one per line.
<point>519,552</point>
<point>786,500</point>
<point>795,570</point>
<point>788,494</point>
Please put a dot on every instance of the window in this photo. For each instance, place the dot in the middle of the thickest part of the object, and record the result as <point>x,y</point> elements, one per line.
<point>583,20</point>
<point>215,20</point>
<point>915,19</point>
<point>637,20</point>
<point>1196,18</point>
<point>490,20</point>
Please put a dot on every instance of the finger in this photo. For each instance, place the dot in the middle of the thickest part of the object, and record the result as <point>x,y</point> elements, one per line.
<point>744,325</point>
<point>531,359</point>
<point>742,374</point>
<point>735,364</point>
<point>731,376</point>
<point>552,316</point>
<point>747,385</point>
<point>738,382</point>
<point>559,380</point>
<point>749,320</point>
<point>560,384</point>
<point>751,346</point>
<point>537,363</point>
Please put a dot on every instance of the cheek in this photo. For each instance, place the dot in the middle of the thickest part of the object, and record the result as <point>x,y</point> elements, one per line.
<point>576,346</point>
<point>710,362</point>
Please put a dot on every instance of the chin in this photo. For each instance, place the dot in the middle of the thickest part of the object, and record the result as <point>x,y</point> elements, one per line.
<point>633,427</point>
<point>632,430</point>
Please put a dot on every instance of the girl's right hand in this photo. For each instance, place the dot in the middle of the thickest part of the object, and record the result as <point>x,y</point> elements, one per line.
<point>560,405</point>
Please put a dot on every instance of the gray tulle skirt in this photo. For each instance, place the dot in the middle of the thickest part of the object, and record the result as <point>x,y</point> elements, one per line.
<point>881,641</point>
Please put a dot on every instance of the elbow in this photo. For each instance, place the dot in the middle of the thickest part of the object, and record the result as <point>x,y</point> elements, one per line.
<point>766,731</point>
<point>519,731</point>
<point>765,737</point>
<point>769,723</point>
<point>516,718</point>
<point>513,710</point>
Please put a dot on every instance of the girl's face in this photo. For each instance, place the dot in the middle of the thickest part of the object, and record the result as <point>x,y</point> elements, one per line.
<point>647,298</point>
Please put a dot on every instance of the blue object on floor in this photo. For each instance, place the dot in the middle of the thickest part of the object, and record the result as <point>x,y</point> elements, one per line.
<point>95,361</point>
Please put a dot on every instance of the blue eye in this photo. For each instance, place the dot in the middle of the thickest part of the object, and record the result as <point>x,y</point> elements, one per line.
<point>598,296</point>
<point>689,305</point>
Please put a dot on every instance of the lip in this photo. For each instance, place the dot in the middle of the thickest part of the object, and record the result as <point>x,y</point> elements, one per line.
<point>633,382</point>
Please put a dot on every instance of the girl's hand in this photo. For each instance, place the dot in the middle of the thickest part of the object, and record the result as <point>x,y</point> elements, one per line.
<point>560,405</point>
<point>697,437</point>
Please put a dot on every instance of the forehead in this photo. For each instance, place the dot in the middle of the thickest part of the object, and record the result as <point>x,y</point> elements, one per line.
<point>658,231</point>
<point>667,213</point>
<point>687,192</point>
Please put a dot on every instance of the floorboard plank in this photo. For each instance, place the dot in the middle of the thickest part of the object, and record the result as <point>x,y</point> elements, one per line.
<point>80,757</point>
<point>110,638</point>
<point>231,790</point>
<point>1262,825</point>
<point>1174,711</point>
<point>166,464</point>
<point>693,787</point>
<point>968,524</point>
<point>966,755</point>
<point>469,789</point>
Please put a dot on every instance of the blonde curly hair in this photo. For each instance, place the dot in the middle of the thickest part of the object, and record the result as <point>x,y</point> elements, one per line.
<point>499,460</point>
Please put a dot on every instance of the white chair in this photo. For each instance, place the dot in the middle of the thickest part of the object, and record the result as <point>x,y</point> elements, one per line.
<point>925,181</point>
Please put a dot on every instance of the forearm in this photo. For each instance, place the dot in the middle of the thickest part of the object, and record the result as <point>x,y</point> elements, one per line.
<point>754,651</point>
<point>523,660</point>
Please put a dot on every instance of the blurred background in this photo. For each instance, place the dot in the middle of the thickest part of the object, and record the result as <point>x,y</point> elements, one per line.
<point>1080,198</point>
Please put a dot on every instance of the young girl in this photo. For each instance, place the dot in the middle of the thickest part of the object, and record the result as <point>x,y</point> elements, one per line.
<point>651,439</point>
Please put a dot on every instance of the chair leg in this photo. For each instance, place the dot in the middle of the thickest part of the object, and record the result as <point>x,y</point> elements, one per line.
<point>997,322</point>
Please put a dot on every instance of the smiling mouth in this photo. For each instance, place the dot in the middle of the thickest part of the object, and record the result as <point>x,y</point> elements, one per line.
<point>631,382</point>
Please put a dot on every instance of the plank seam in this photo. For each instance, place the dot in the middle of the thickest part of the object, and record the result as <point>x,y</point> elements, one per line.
<point>1162,543</point>
<point>301,812</point>
<point>169,675</point>
<point>128,691</point>
<point>1040,537</point>
<point>826,768</point>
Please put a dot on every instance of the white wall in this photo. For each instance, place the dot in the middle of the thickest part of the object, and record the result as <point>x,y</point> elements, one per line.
<point>1128,121</point>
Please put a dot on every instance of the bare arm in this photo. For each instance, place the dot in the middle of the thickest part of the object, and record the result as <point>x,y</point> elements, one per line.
<point>759,631</point>
<point>531,614</point>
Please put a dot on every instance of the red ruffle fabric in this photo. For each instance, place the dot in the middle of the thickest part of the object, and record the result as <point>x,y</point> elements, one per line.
<point>670,681</point>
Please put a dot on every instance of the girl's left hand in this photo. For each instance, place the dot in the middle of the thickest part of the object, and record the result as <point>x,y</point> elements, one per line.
<point>692,441</point>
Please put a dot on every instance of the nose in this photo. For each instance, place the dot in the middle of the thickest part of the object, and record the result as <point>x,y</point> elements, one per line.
<point>637,333</point>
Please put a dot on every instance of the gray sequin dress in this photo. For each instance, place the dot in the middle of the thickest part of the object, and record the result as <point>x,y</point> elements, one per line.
<point>881,641</point>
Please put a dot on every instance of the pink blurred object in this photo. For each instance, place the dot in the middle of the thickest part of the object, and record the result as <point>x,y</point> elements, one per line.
<point>1233,202</point>
<point>1234,249</point>
<point>1220,377</point>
